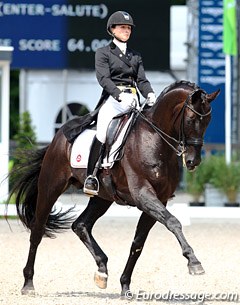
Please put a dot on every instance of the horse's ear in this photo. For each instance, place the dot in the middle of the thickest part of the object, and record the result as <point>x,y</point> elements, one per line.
<point>212,96</point>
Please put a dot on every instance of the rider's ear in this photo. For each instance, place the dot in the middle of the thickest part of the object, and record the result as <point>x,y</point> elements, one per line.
<point>212,96</point>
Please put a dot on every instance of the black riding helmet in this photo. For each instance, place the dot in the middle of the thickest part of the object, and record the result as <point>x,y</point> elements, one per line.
<point>119,17</point>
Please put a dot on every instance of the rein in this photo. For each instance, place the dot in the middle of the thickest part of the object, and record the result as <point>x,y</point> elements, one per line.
<point>164,135</point>
<point>182,142</point>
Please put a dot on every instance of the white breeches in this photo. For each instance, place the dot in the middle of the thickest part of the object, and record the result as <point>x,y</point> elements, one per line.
<point>109,109</point>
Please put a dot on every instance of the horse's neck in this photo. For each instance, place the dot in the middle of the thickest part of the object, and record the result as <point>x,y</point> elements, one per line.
<point>164,113</point>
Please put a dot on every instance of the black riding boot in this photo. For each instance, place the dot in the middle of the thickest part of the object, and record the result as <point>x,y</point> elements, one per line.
<point>91,184</point>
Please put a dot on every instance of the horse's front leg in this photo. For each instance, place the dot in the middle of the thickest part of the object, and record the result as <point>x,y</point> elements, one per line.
<point>145,224</point>
<point>173,225</point>
<point>83,225</point>
<point>149,203</point>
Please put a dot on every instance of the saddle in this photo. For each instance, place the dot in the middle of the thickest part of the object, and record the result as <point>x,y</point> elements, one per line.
<point>117,134</point>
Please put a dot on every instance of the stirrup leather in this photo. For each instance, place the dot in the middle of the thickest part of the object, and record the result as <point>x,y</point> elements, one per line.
<point>94,190</point>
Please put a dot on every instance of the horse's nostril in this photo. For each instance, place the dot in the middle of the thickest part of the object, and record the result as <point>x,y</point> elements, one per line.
<point>193,162</point>
<point>189,162</point>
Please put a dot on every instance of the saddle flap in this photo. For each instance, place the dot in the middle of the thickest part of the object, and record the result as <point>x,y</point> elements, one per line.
<point>117,133</point>
<point>115,127</point>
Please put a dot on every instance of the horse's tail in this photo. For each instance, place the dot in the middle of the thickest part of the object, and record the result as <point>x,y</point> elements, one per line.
<point>25,192</point>
<point>24,177</point>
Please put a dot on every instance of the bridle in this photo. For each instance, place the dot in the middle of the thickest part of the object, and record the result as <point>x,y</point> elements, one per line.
<point>192,141</point>
<point>182,141</point>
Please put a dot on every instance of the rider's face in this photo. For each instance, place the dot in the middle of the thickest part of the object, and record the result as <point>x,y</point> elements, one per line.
<point>122,32</point>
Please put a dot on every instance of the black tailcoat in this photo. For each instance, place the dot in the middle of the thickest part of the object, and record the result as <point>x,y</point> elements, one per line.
<point>113,69</point>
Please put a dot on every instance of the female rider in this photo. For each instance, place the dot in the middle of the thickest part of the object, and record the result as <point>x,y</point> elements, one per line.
<point>120,72</point>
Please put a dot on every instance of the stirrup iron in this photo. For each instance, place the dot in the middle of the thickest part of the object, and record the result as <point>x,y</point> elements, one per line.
<point>88,191</point>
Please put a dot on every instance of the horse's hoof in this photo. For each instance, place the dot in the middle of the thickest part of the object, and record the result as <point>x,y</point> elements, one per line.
<point>125,290</point>
<point>28,291</point>
<point>100,279</point>
<point>127,295</point>
<point>196,269</point>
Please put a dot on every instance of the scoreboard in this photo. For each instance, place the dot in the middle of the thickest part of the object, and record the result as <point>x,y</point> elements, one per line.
<point>59,34</point>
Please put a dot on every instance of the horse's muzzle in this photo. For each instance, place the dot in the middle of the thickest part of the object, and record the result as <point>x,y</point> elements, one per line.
<point>191,166</point>
<point>193,155</point>
<point>192,159</point>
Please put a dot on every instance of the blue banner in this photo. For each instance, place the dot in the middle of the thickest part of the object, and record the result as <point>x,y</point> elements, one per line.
<point>211,64</point>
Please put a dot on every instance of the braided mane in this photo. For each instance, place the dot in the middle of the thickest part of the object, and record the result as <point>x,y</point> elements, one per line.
<point>182,84</point>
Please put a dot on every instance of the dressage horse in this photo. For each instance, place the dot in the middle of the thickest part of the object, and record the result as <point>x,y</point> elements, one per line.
<point>145,177</point>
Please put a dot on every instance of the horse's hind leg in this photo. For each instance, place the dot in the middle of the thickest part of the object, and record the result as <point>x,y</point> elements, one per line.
<point>37,232</point>
<point>144,226</point>
<point>35,238</point>
<point>50,187</point>
<point>83,228</point>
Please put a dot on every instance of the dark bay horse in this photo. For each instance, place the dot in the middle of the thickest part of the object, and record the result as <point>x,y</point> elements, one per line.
<point>146,177</point>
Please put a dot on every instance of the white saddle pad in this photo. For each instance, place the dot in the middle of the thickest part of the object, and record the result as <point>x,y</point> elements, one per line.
<point>81,148</point>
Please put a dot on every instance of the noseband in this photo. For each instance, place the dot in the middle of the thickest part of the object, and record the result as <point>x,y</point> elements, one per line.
<point>182,142</point>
